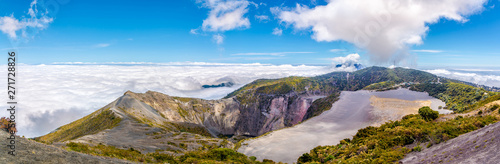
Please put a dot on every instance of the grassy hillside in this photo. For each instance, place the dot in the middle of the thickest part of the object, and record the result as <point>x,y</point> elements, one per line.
<point>457,96</point>
<point>93,123</point>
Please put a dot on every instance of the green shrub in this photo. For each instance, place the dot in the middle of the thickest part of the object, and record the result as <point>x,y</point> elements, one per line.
<point>494,107</point>
<point>305,158</point>
<point>480,112</point>
<point>417,148</point>
<point>164,158</point>
<point>253,158</point>
<point>7,125</point>
<point>427,113</point>
<point>330,157</point>
<point>218,155</point>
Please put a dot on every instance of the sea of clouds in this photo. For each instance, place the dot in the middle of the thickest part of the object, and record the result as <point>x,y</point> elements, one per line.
<point>489,76</point>
<point>53,95</point>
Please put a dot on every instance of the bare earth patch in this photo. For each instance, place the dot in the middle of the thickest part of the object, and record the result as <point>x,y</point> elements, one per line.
<point>393,109</point>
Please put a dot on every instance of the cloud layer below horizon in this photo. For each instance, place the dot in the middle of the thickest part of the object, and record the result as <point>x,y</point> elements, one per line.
<point>53,95</point>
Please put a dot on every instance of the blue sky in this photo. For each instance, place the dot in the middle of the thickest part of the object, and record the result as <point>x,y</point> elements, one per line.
<point>173,31</point>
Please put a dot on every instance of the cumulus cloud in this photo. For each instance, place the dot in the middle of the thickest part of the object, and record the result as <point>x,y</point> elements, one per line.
<point>385,28</point>
<point>36,21</point>
<point>277,31</point>
<point>53,95</point>
<point>225,15</point>
<point>347,63</point>
<point>218,38</point>
<point>351,58</point>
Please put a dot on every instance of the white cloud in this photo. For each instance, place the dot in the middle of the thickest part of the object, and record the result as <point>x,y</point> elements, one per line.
<point>337,50</point>
<point>218,38</point>
<point>428,51</point>
<point>386,28</point>
<point>269,53</point>
<point>193,31</point>
<point>37,21</point>
<point>54,95</point>
<point>102,45</point>
<point>9,25</point>
<point>262,18</point>
<point>478,76</point>
<point>225,15</point>
<point>351,59</point>
<point>277,31</point>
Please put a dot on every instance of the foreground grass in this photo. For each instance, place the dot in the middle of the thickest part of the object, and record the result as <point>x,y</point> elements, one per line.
<point>217,155</point>
<point>91,124</point>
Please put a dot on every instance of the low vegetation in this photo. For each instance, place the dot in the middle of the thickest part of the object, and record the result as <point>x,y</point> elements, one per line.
<point>389,142</point>
<point>191,128</point>
<point>321,105</point>
<point>380,85</point>
<point>458,97</point>
<point>217,155</point>
<point>91,124</point>
<point>428,114</point>
<point>7,125</point>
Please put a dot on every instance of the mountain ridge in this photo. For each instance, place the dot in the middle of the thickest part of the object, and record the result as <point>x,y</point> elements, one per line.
<point>254,109</point>
<point>176,125</point>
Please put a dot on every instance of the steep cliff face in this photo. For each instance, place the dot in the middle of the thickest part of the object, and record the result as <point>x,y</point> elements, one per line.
<point>272,112</point>
<point>218,116</point>
<point>229,116</point>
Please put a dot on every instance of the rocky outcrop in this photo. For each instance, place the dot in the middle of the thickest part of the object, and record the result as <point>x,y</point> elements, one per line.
<point>229,116</point>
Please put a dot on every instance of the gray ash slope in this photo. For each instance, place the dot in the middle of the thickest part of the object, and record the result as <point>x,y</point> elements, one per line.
<point>480,146</point>
<point>28,151</point>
